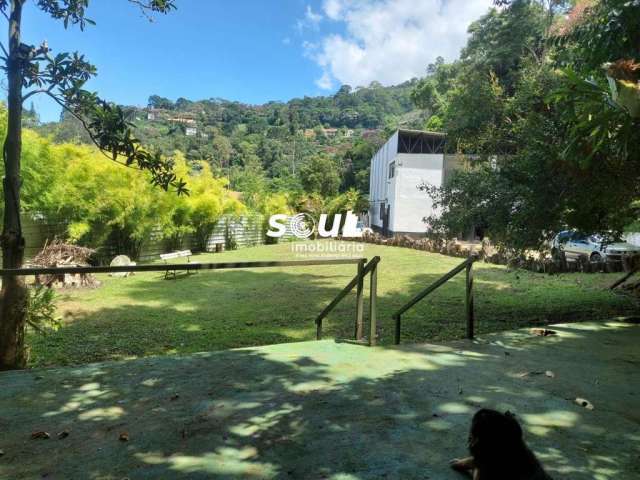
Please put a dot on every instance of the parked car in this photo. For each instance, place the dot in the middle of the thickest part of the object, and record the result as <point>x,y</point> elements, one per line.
<point>596,248</point>
<point>362,228</point>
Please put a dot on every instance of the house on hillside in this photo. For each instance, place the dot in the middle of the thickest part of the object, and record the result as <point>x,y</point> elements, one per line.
<point>370,133</point>
<point>407,160</point>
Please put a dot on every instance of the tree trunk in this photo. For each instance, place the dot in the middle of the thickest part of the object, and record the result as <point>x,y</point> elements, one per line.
<point>13,296</point>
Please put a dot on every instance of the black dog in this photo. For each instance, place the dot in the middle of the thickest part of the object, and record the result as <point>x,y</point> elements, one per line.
<point>498,451</point>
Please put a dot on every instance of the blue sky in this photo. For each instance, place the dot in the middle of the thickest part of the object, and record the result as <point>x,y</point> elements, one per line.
<point>255,51</point>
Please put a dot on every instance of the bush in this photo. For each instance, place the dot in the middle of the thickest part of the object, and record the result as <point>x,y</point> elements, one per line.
<point>41,309</point>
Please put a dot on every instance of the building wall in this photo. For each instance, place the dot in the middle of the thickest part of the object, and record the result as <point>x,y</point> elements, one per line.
<point>633,238</point>
<point>379,184</point>
<point>410,205</point>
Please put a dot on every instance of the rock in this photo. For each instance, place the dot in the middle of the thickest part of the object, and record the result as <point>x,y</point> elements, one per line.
<point>583,402</point>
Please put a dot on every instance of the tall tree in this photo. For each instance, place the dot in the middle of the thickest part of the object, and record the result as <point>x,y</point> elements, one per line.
<point>35,70</point>
<point>561,141</point>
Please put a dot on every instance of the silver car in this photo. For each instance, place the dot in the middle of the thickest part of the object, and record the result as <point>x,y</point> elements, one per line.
<point>596,248</point>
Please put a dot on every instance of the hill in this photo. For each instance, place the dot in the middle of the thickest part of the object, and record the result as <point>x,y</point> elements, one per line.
<point>273,141</point>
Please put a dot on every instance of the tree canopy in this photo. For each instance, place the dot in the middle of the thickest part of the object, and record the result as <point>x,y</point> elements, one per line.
<point>550,144</point>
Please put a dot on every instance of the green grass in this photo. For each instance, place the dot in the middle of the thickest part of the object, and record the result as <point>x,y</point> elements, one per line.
<point>147,315</point>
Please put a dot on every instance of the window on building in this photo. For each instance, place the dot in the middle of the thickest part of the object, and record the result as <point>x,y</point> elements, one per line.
<point>392,169</point>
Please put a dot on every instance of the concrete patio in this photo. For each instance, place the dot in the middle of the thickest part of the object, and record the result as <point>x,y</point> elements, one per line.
<point>328,410</point>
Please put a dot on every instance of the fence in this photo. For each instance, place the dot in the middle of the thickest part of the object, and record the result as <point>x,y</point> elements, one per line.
<point>363,269</point>
<point>245,231</point>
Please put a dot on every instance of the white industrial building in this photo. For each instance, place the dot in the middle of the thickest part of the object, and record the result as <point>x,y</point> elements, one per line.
<point>409,159</point>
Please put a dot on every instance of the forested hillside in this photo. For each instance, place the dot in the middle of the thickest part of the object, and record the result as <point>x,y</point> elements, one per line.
<point>544,95</point>
<point>318,145</point>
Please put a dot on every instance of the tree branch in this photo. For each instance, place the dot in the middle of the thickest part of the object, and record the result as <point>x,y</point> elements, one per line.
<point>86,127</point>
<point>153,6</point>
<point>40,90</point>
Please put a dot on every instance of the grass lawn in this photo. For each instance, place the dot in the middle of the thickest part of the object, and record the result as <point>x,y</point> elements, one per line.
<point>147,315</point>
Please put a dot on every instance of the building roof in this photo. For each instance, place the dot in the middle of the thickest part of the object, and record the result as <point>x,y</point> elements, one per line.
<point>425,132</point>
<point>418,141</point>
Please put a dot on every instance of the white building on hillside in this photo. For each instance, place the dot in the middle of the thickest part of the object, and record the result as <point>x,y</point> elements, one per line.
<point>409,159</point>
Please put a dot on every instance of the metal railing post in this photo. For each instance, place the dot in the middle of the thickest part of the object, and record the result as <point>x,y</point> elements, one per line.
<point>373,297</point>
<point>467,265</point>
<point>397,335</point>
<point>360,302</point>
<point>469,301</point>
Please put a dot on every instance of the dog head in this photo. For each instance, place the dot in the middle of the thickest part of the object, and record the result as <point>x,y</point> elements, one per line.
<point>493,433</point>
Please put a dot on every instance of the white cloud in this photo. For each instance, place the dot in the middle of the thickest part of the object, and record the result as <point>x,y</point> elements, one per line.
<point>286,41</point>
<point>391,41</point>
<point>311,16</point>
<point>333,8</point>
<point>311,20</point>
<point>325,82</point>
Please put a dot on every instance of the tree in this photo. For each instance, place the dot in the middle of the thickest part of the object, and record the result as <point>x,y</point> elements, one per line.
<point>35,70</point>
<point>156,101</point>
<point>200,212</point>
<point>320,175</point>
<point>561,140</point>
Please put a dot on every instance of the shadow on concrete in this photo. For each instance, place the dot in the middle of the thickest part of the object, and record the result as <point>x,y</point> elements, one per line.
<point>327,410</point>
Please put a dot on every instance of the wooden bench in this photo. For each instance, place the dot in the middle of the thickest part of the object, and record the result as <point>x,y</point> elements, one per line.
<point>172,256</point>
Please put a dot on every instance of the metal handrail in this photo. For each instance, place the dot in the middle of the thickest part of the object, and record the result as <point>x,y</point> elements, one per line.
<point>466,265</point>
<point>177,266</point>
<point>357,281</point>
<point>364,269</point>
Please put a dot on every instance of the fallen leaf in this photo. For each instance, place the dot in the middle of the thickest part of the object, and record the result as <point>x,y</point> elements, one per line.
<point>583,402</point>
<point>63,434</point>
<point>124,437</point>
<point>526,374</point>
<point>43,435</point>
<point>543,332</point>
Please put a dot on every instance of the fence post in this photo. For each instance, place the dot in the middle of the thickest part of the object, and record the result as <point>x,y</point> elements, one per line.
<point>373,296</point>
<point>397,336</point>
<point>360,302</point>
<point>469,300</point>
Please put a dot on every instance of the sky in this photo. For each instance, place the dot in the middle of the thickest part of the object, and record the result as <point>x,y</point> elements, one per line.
<point>255,51</point>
